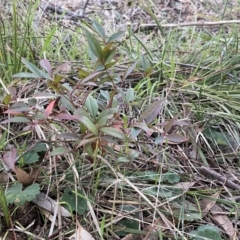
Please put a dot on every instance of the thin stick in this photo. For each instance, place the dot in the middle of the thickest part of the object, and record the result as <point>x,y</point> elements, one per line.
<point>168,25</point>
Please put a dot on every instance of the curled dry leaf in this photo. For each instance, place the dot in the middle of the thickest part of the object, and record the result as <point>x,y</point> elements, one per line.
<point>23,177</point>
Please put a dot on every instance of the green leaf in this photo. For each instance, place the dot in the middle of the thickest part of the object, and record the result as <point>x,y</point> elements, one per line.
<point>81,112</point>
<point>94,45</point>
<point>206,232</point>
<point>59,151</point>
<point>108,55</point>
<point>104,116</point>
<point>171,177</point>
<point>116,36</point>
<point>129,95</point>
<point>221,138</point>
<point>99,66</point>
<point>67,104</point>
<point>92,106</point>
<point>30,157</point>
<point>39,73</point>
<point>99,29</point>
<point>40,147</point>
<point>16,195</point>
<point>75,201</point>
<point>25,75</point>
<point>127,225</point>
<point>90,125</point>
<point>113,132</point>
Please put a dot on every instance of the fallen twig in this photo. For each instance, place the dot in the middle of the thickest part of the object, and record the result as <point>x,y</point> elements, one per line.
<point>217,176</point>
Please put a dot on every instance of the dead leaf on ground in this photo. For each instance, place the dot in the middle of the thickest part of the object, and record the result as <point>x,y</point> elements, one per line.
<point>4,177</point>
<point>81,234</point>
<point>207,204</point>
<point>23,177</point>
<point>42,200</point>
<point>223,221</point>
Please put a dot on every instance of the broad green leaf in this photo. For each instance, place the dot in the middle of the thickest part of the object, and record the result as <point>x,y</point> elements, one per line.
<point>94,45</point>
<point>110,64</point>
<point>88,148</point>
<point>67,104</point>
<point>104,116</point>
<point>108,55</point>
<point>171,177</point>
<point>123,160</point>
<point>7,99</point>
<point>129,95</point>
<point>152,111</point>
<point>35,70</point>
<point>159,140</point>
<point>74,202</point>
<point>221,138</point>
<point>40,147</point>
<point>105,94</point>
<point>90,125</point>
<point>99,66</point>
<point>127,225</point>
<point>186,212</point>
<point>206,232</point>
<point>16,195</point>
<point>81,112</point>
<point>30,157</point>
<point>135,132</point>
<point>113,132</point>
<point>59,151</point>
<point>99,29</point>
<point>92,106</point>
<point>116,36</point>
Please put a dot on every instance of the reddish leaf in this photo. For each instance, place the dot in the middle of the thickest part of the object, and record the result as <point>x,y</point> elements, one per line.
<point>151,112</point>
<point>175,138</point>
<point>61,67</point>
<point>65,116</point>
<point>50,107</point>
<point>9,159</point>
<point>45,64</point>
<point>168,126</point>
